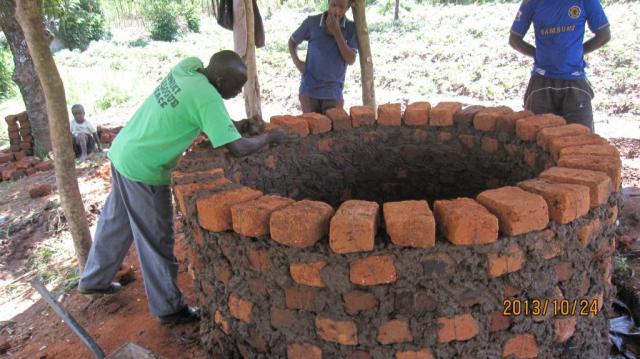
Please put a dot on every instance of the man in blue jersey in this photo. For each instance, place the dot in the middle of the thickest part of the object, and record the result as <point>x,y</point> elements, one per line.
<point>558,82</point>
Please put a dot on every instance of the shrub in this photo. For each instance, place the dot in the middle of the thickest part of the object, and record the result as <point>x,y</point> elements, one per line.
<point>162,20</point>
<point>191,13</point>
<point>80,22</point>
<point>7,88</point>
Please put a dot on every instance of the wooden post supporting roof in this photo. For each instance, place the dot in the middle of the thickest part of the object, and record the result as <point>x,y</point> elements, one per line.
<point>252,87</point>
<point>364,50</point>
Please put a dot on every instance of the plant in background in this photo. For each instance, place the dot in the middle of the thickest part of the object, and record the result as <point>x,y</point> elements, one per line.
<point>161,16</point>
<point>78,22</point>
<point>7,87</point>
<point>191,13</point>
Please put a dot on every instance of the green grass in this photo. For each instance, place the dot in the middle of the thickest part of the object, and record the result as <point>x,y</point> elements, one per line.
<point>433,52</point>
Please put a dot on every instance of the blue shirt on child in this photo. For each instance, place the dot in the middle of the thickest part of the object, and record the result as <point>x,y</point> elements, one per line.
<point>559,30</point>
<point>325,68</point>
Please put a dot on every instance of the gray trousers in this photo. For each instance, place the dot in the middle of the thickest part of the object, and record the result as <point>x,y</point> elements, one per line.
<point>143,214</point>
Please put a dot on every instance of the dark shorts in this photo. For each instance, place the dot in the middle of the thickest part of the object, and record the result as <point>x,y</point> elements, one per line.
<point>570,99</point>
<point>310,104</point>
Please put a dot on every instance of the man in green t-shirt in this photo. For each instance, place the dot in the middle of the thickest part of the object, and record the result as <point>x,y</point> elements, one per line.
<point>139,209</point>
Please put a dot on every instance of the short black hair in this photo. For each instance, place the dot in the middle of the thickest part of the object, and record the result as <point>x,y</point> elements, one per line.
<point>75,107</point>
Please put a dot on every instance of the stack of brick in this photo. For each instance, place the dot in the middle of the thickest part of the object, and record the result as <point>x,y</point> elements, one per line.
<point>519,270</point>
<point>18,161</point>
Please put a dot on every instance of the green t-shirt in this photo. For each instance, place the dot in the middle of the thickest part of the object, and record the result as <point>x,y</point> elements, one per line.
<point>168,121</point>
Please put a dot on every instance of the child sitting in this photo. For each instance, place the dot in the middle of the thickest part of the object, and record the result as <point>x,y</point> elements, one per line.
<point>85,136</point>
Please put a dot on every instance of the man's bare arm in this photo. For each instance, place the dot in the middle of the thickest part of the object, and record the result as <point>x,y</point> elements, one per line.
<point>601,37</point>
<point>245,146</point>
<point>346,52</point>
<point>293,51</point>
<point>523,47</point>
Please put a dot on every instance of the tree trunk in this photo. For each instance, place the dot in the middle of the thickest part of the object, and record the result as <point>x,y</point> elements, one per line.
<point>364,50</point>
<point>24,76</point>
<point>252,87</point>
<point>396,16</point>
<point>30,19</point>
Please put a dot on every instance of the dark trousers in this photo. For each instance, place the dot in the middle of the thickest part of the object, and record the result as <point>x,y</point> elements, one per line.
<point>310,104</point>
<point>570,99</point>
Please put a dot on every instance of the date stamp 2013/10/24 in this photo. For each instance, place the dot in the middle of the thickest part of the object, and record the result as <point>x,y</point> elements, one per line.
<point>557,307</point>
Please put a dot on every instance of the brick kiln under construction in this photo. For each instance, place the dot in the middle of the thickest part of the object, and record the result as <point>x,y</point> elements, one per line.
<point>426,233</point>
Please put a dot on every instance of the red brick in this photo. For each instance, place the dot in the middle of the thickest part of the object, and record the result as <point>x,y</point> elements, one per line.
<point>339,118</point>
<point>588,231</point>
<point>296,124</point>
<point>318,123</point>
<point>240,308</point>
<point>610,165</point>
<point>221,322</point>
<point>593,150</point>
<point>461,328</point>
<point>308,273</point>
<point>6,157</point>
<point>598,182</point>
<point>258,259</point>
<point>184,191</point>
<point>564,328</point>
<point>527,128</point>
<point>419,136</point>
<point>410,224</point>
<point>510,260</point>
<point>257,341</point>
<point>547,245</point>
<point>498,322</point>
<point>518,211</point>
<point>359,354</point>
<point>394,331</point>
<point>30,171</point>
<point>442,113</point>
<point>19,155</point>
<point>465,116</point>
<point>251,218</point>
<point>415,354</point>
<point>390,114</point>
<point>8,172</point>
<point>214,211</point>
<point>356,301</point>
<point>303,351</point>
<point>613,215</point>
<point>566,202</point>
<point>11,120</point>
<point>468,141</point>
<point>325,144</point>
<point>342,332</point>
<point>529,157</point>
<point>521,347</point>
<point>545,135</point>
<point>303,298</point>
<point>301,224</point>
<point>417,114</point>
<point>40,190</point>
<point>511,291</point>
<point>354,226</point>
<point>555,145</point>
<point>271,162</point>
<point>489,145</point>
<point>487,119</point>
<point>444,136</point>
<point>222,273</point>
<point>607,270</point>
<point>564,271</point>
<point>373,270</point>
<point>186,177</point>
<point>283,318</point>
<point>464,221</point>
<point>362,116</point>
<point>507,123</point>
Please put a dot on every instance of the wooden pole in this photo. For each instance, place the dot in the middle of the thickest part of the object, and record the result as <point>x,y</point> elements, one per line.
<point>364,50</point>
<point>396,16</point>
<point>30,20</point>
<point>252,87</point>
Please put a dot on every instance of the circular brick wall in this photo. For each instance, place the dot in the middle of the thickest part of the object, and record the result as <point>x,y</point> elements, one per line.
<point>409,236</point>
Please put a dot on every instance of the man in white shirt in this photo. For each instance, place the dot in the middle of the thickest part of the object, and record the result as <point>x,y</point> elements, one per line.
<point>84,134</point>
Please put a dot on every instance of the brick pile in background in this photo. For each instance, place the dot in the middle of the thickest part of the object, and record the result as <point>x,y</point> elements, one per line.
<point>18,161</point>
<point>413,278</point>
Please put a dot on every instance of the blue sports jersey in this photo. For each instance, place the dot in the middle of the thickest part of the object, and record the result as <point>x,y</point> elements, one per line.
<point>559,29</point>
<point>325,68</point>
